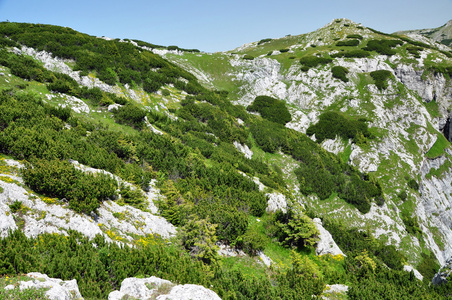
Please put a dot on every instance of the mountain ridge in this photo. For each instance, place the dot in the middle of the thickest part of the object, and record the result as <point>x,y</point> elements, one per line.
<point>442,34</point>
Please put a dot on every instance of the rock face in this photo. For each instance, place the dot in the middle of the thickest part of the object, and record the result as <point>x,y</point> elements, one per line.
<point>58,289</point>
<point>444,273</point>
<point>416,272</point>
<point>433,87</point>
<point>436,201</point>
<point>326,245</point>
<point>44,215</point>
<point>160,289</point>
<point>244,149</point>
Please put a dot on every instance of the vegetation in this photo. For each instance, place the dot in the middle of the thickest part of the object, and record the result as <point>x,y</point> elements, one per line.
<point>263,41</point>
<point>332,124</point>
<point>271,109</point>
<point>383,47</point>
<point>312,61</point>
<point>208,187</point>
<point>295,230</point>
<point>60,179</point>
<point>113,61</point>
<point>355,36</point>
<point>319,171</point>
<point>340,72</point>
<point>348,43</point>
<point>411,224</point>
<point>101,269</point>
<point>380,77</point>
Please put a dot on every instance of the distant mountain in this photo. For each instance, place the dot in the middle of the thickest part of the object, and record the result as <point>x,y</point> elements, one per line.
<point>441,34</point>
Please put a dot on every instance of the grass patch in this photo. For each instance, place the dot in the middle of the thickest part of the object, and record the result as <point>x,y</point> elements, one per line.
<point>433,108</point>
<point>16,293</point>
<point>345,156</point>
<point>438,147</point>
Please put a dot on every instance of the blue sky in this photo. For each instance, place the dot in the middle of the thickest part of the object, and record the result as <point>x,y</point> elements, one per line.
<point>221,25</point>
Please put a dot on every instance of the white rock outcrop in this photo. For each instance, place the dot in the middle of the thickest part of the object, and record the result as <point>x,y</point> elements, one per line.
<point>58,289</point>
<point>276,201</point>
<point>114,222</point>
<point>326,244</point>
<point>415,272</point>
<point>244,149</point>
<point>161,289</point>
<point>332,291</point>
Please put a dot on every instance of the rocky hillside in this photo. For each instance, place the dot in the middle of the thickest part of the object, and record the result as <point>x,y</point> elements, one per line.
<point>287,167</point>
<point>441,34</point>
<point>400,86</point>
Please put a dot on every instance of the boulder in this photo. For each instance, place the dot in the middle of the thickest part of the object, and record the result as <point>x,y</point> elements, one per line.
<point>58,289</point>
<point>161,289</point>
<point>326,244</point>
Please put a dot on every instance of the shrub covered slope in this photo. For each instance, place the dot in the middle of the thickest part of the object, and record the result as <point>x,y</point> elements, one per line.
<point>212,192</point>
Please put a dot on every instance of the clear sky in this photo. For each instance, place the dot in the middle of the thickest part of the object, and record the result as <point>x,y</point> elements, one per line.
<point>219,25</point>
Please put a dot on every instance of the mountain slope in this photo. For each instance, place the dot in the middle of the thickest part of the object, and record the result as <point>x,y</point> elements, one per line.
<point>405,115</point>
<point>122,119</point>
<point>441,34</point>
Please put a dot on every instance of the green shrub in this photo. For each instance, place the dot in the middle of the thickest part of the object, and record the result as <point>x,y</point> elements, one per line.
<point>348,43</point>
<point>271,109</point>
<point>15,206</point>
<point>383,47</point>
<point>413,50</point>
<point>311,61</point>
<point>445,70</point>
<point>295,229</point>
<point>283,50</point>
<point>60,179</point>
<point>198,236</point>
<point>413,184</point>
<point>130,114</point>
<point>340,72</point>
<point>248,57</point>
<point>380,77</point>
<point>332,124</point>
<point>403,196</point>
<point>252,242</point>
<point>355,36</point>
<point>411,224</point>
<point>428,266</point>
<point>133,197</point>
<point>263,41</point>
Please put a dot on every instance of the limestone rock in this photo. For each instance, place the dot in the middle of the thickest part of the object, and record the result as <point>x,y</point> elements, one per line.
<point>244,149</point>
<point>265,259</point>
<point>189,291</point>
<point>140,288</point>
<point>45,217</point>
<point>326,244</point>
<point>416,272</point>
<point>228,251</point>
<point>444,273</point>
<point>58,289</point>
<point>276,201</point>
<point>331,291</point>
<point>145,288</point>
